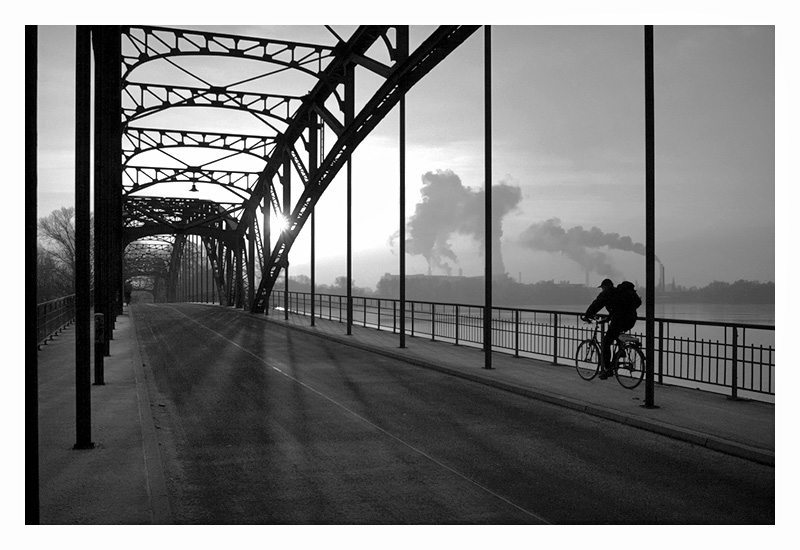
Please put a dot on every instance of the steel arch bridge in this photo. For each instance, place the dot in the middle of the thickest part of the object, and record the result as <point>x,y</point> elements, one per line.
<point>199,135</point>
<point>179,192</point>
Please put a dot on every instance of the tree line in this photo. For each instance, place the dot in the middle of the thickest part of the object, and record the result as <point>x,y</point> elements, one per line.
<point>719,292</point>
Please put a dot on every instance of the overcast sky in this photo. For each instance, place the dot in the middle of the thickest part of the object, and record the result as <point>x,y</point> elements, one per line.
<point>568,141</point>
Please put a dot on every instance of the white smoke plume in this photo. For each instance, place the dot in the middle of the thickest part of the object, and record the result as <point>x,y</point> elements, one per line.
<point>579,244</point>
<point>448,208</point>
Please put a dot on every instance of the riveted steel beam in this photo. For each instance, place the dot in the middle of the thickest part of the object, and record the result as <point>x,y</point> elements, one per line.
<point>140,100</point>
<point>146,43</point>
<point>136,141</point>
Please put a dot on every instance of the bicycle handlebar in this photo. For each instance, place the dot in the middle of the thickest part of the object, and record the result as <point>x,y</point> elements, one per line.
<point>596,319</point>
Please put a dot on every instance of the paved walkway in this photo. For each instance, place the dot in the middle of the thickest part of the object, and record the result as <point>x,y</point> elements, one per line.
<point>121,479</point>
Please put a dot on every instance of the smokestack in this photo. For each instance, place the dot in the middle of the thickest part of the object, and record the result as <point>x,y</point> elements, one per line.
<point>661,283</point>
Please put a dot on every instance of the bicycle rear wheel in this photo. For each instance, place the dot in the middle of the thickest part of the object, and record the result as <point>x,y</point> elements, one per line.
<point>587,359</point>
<point>629,363</point>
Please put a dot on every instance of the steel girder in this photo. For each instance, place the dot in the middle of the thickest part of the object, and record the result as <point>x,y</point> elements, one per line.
<point>143,44</point>
<point>291,136</point>
<point>151,216</point>
<point>146,99</point>
<point>140,140</point>
<point>399,78</point>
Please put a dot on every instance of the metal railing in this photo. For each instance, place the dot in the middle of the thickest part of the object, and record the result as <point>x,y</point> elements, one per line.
<point>53,316</point>
<point>713,356</point>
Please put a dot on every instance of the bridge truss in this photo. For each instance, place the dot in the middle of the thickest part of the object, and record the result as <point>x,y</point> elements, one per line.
<point>213,130</point>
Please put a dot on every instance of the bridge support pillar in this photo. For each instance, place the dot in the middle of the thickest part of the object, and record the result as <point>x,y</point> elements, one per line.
<point>83,108</point>
<point>650,216</point>
<point>487,310</point>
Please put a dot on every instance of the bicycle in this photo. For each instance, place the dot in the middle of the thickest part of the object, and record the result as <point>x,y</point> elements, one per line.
<point>627,361</point>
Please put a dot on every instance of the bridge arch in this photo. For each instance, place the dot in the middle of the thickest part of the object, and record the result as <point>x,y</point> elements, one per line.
<point>310,134</point>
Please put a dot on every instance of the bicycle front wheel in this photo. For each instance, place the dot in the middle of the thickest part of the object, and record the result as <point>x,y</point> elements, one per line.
<point>587,359</point>
<point>629,361</point>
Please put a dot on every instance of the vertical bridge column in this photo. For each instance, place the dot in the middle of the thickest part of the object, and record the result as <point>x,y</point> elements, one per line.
<point>106,40</point>
<point>349,115</point>
<point>287,212</point>
<point>650,215</point>
<point>487,309</point>
<point>313,163</point>
<point>402,55</point>
<point>83,336</point>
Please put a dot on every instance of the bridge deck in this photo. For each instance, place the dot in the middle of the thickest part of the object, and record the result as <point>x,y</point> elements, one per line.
<point>211,415</point>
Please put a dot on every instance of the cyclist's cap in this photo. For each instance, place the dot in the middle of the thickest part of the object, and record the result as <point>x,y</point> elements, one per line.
<point>605,283</point>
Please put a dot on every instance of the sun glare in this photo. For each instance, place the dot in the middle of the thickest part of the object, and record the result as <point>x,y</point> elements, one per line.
<point>281,223</point>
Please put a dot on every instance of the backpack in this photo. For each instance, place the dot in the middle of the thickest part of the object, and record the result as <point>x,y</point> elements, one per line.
<point>627,298</point>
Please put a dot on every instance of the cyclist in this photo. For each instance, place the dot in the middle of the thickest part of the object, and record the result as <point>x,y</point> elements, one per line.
<point>621,303</point>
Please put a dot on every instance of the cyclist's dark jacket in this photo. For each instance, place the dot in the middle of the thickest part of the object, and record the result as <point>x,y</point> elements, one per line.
<point>616,301</point>
<point>621,303</point>
<point>603,300</point>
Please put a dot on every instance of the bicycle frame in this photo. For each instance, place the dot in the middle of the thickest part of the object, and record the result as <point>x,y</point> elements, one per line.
<point>626,356</point>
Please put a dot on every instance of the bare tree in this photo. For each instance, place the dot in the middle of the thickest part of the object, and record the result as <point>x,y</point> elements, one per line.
<point>56,254</point>
<point>52,279</point>
<point>57,231</point>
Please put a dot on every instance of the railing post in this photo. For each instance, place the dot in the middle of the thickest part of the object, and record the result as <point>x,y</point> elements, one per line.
<point>516,333</point>
<point>433,322</point>
<point>661,352</point>
<point>458,317</point>
<point>735,365</point>
<point>555,338</point>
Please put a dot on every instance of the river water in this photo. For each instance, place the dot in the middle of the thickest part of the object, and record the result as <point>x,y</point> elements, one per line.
<point>756,314</point>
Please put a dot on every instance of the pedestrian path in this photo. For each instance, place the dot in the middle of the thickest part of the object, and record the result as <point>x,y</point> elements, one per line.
<point>120,480</point>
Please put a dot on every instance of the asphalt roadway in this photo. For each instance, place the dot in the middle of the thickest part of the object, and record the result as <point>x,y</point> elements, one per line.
<point>259,423</point>
<point>210,415</point>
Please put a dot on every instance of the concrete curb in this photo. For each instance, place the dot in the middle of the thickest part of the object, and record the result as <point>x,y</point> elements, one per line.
<point>154,469</point>
<point>739,450</point>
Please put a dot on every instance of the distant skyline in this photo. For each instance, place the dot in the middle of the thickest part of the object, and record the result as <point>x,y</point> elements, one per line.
<point>568,135</point>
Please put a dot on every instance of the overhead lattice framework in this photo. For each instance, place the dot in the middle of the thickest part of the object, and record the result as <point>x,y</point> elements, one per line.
<point>215,126</point>
<point>147,263</point>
